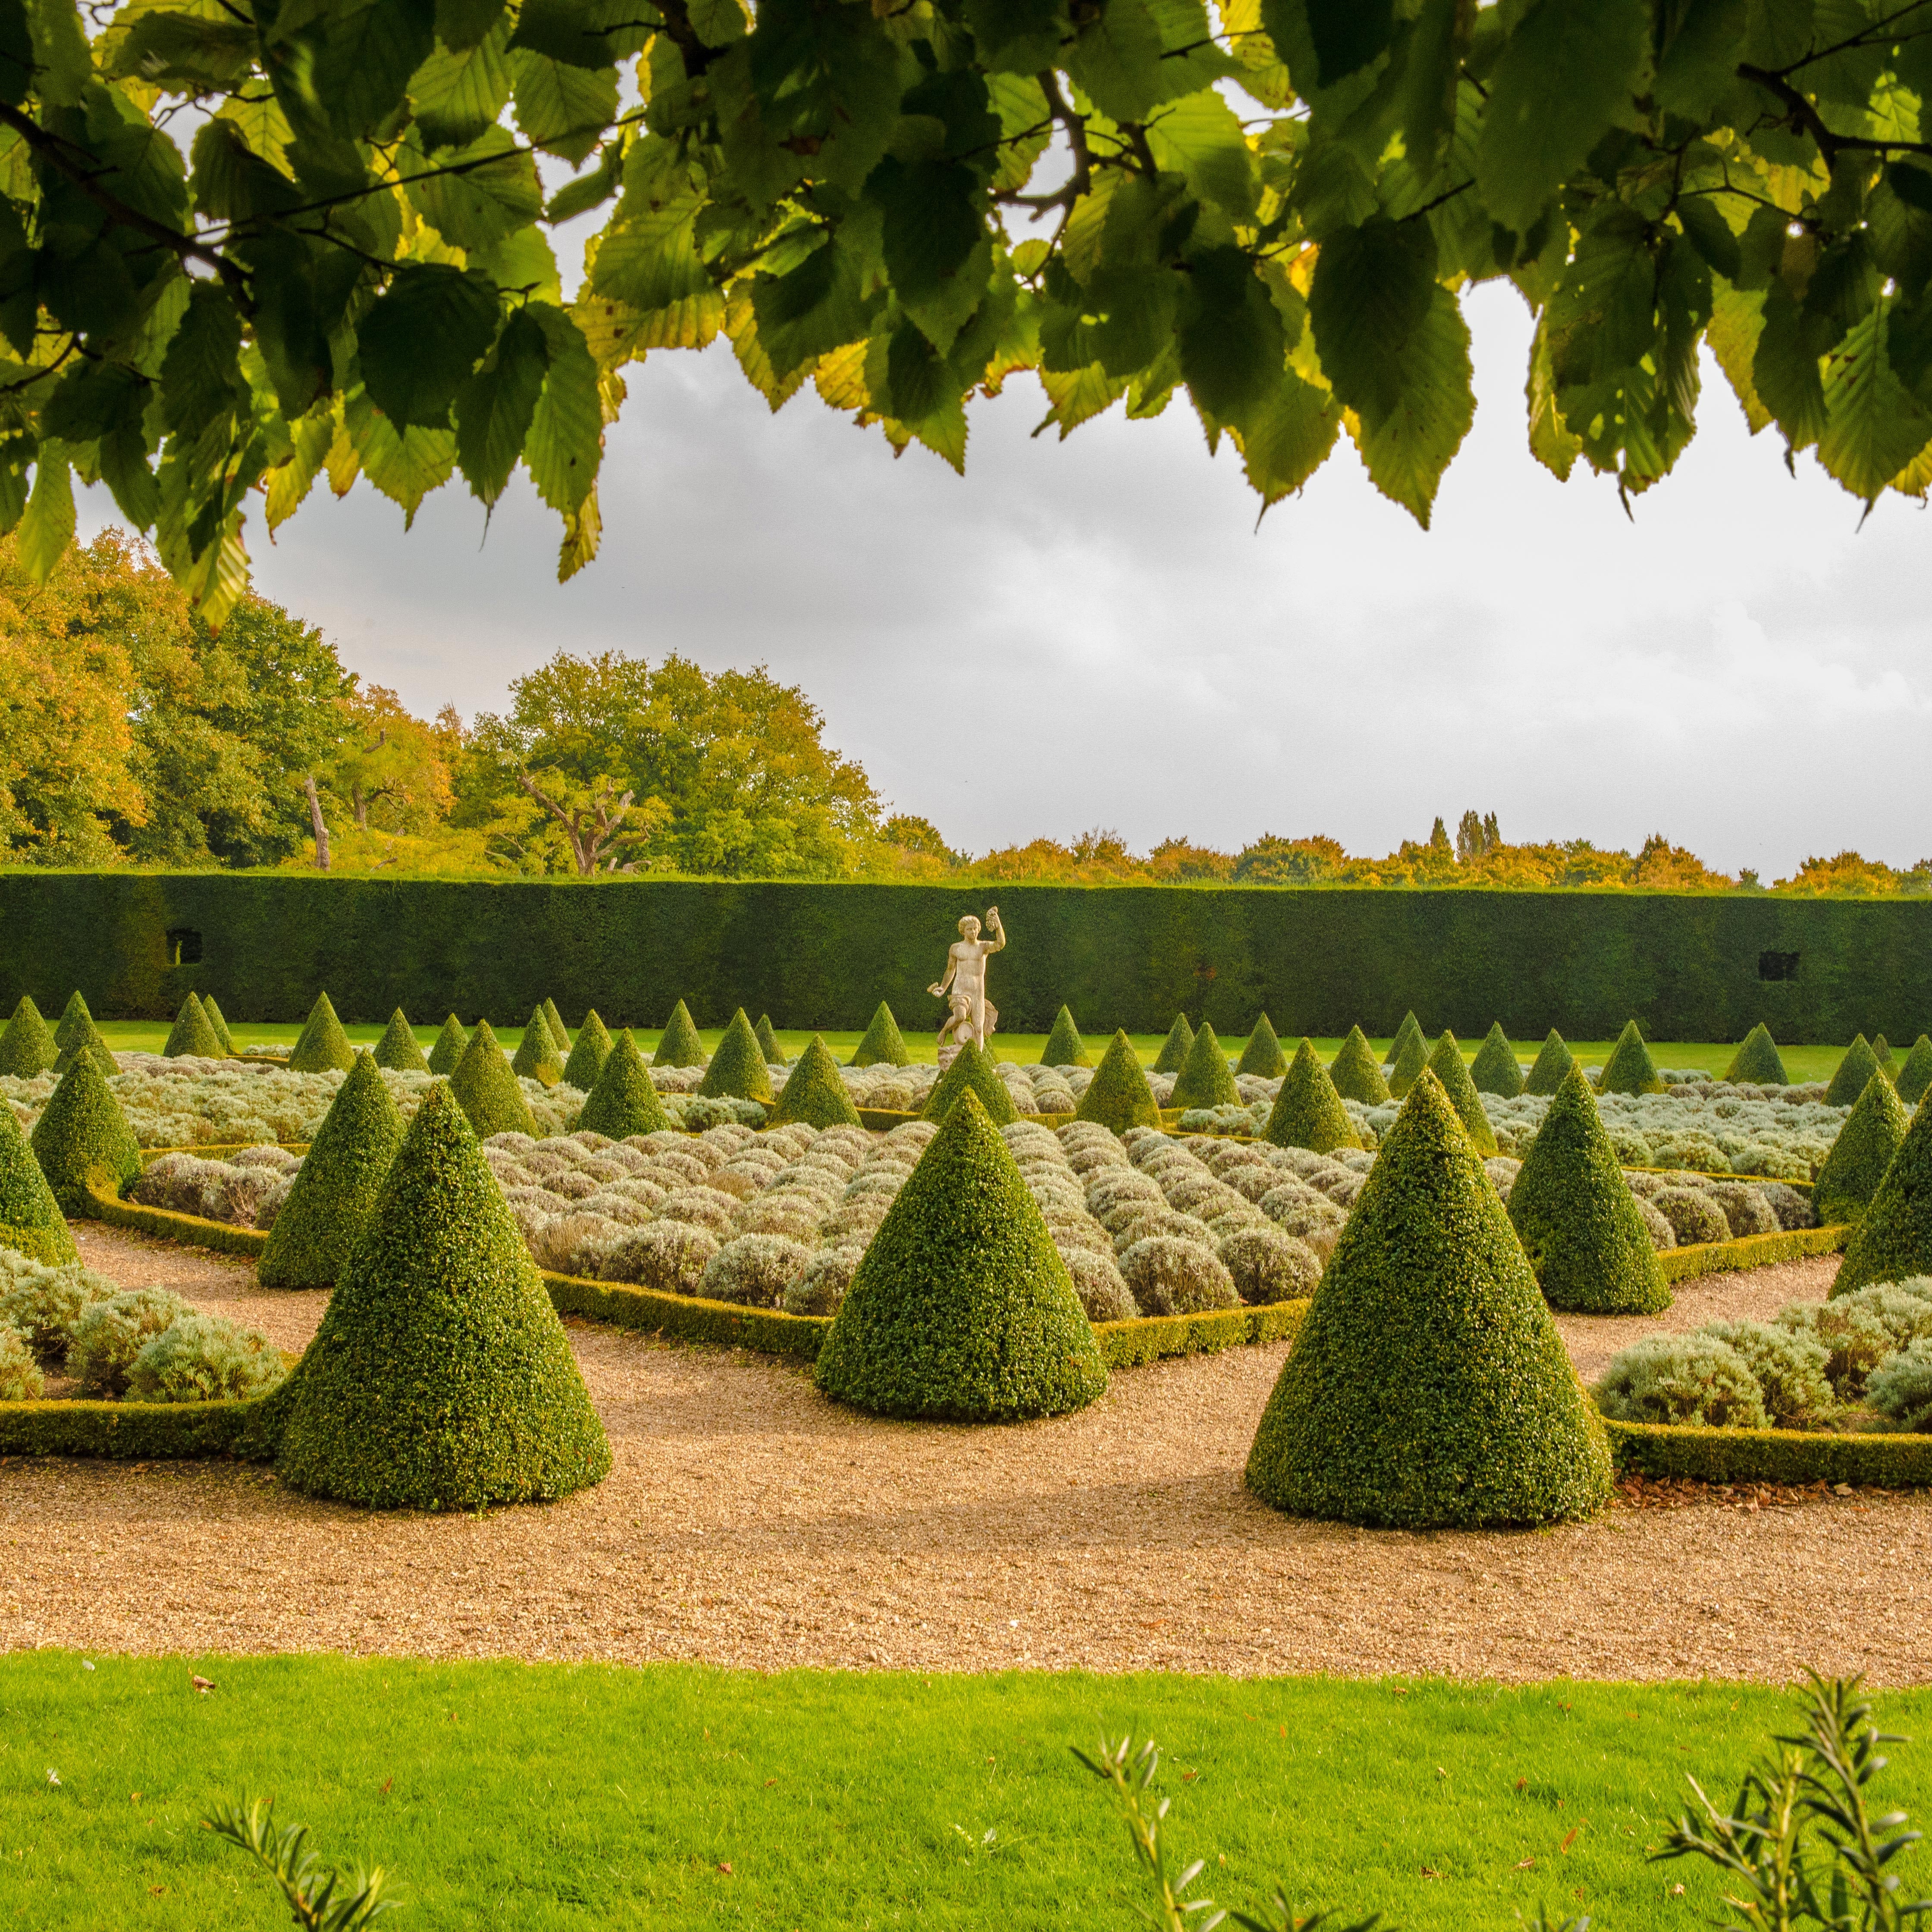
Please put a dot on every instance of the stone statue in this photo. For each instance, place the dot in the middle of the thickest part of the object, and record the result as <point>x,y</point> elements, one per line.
<point>971,1016</point>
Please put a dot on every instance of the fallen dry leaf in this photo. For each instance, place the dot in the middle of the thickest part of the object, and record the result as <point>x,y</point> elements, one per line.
<point>1571,1839</point>
<point>1524,1864</point>
<point>724,1866</point>
<point>203,1685</point>
<point>1430,1871</point>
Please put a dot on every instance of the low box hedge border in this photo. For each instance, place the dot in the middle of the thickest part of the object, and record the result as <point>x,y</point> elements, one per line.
<point>1751,1251</point>
<point>190,1230</point>
<point>1789,1456</point>
<point>136,1432</point>
<point>1131,1345</point>
<point>688,1318</point>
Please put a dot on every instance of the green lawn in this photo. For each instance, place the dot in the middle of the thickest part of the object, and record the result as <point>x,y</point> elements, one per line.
<point>552,1795</point>
<point>1802,1062</point>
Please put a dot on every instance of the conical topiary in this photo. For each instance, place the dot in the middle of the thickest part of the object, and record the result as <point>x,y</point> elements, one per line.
<point>84,1040</point>
<point>1630,1069</point>
<point>1494,1069</point>
<point>1854,1074</point>
<point>1576,1218</point>
<point>1892,1239</point>
<point>1446,1063</point>
<point>337,1185</point>
<point>216,1020</point>
<point>623,1102</point>
<point>323,1046</point>
<point>31,1222</point>
<point>971,1072</point>
<point>588,1056</point>
<point>1308,1112</point>
<point>1551,1067</point>
<point>1881,1049</point>
<point>397,1049</point>
<point>1409,1054</point>
<point>558,1032</point>
<point>1428,1386</point>
<point>192,1035</point>
<point>882,1045</point>
<point>768,1042</point>
<point>1175,1048</point>
<point>1356,1073</point>
<point>678,1044</point>
<point>814,1093</point>
<point>73,1014</point>
<point>1262,1055</point>
<point>1118,1095</point>
<point>1874,1132</point>
<point>446,1055</point>
<point>1915,1075</point>
<point>737,1069</point>
<point>1757,1062</point>
<point>82,1133</point>
<point>28,1046</point>
<point>537,1058</point>
<point>1064,1047</point>
<point>441,1377</point>
<point>962,1309</point>
<point>1204,1080</point>
<point>486,1088</point>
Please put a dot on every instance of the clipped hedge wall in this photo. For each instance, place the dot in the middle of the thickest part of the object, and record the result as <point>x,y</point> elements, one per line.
<point>190,1230</point>
<point>1751,1251</point>
<point>823,956</point>
<point>136,1432</point>
<point>1660,1449</point>
<point>1130,1345</point>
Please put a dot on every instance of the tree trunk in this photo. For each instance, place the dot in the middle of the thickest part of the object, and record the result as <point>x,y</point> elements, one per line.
<point>360,805</point>
<point>316,820</point>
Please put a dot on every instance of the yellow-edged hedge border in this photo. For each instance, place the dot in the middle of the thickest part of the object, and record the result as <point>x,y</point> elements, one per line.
<point>1751,1251</point>
<point>137,1432</point>
<point>1792,1456</point>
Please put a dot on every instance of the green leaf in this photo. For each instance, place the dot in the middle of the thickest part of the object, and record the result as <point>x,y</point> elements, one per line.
<point>302,290</point>
<point>1737,318</point>
<point>404,462</point>
<point>63,60</point>
<point>1567,68</point>
<point>1200,137</point>
<point>1711,235</point>
<point>310,437</point>
<point>16,82</point>
<point>561,109</point>
<point>458,93</point>
<point>1407,450</point>
<point>461,25</point>
<point>1373,286</point>
<point>1018,36</point>
<point>566,443</point>
<point>489,190</point>
<point>1550,441</point>
<point>1232,348</point>
<point>425,334</point>
<point>523,262</point>
<point>88,399</point>
<point>932,224</point>
<point>581,33</point>
<point>47,528</point>
<point>1785,371</point>
<point>1287,436</point>
<point>651,261</point>
<point>1873,426</point>
<point>185,50</point>
<point>1427,110</point>
<point>590,189</point>
<point>362,68</point>
<point>201,375</point>
<point>1348,35</point>
<point>1698,67</point>
<point>494,408</point>
<point>1134,55</point>
<point>232,183</point>
<point>818,307</point>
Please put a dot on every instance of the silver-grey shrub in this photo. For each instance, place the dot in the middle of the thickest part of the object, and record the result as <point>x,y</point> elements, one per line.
<point>1790,1367</point>
<point>1682,1378</point>
<point>1170,1277</point>
<point>199,1358</point>
<point>110,1333</point>
<point>1901,1387</point>
<point>43,1303</point>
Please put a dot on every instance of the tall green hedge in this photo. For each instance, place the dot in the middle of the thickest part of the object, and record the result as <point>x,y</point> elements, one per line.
<point>823,956</point>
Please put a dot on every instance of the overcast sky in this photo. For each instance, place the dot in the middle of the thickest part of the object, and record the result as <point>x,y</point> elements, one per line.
<point>1095,634</point>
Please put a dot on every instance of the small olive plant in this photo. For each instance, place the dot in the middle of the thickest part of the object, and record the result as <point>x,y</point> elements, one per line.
<point>1800,1847</point>
<point>333,1901</point>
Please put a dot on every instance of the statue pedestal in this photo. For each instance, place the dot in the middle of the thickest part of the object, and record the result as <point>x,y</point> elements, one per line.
<point>948,1053</point>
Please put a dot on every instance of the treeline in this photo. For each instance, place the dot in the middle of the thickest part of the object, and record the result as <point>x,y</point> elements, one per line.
<point>131,732</point>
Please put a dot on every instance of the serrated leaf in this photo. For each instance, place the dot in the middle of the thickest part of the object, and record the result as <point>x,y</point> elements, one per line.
<point>650,258</point>
<point>495,406</point>
<point>818,307</point>
<point>563,109</point>
<point>1785,370</point>
<point>310,438</point>
<point>185,50</point>
<point>583,532</point>
<point>565,444</point>
<point>1077,395</point>
<point>404,464</point>
<point>1564,72</point>
<point>1133,55</point>
<point>1018,36</point>
<point>201,378</point>
<point>63,60</point>
<point>1287,437</point>
<point>742,325</point>
<point>1737,319</point>
<point>422,338</point>
<point>1231,346</point>
<point>1873,427</point>
<point>47,528</point>
<point>459,93</point>
<point>1373,287</point>
<point>573,31</point>
<point>1348,35</point>
<point>1550,441</point>
<point>362,68</point>
<point>480,193</point>
<point>1200,138</point>
<point>1406,452</point>
<point>1261,71</point>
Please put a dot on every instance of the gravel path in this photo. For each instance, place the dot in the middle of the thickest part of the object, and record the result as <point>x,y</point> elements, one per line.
<point>748,1521</point>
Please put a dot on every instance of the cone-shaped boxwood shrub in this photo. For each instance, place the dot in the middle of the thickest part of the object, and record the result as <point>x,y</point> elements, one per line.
<point>446,1055</point>
<point>1446,1063</point>
<point>1118,1095</point>
<point>971,1072</point>
<point>623,1102</point>
<point>558,1032</point>
<point>1262,1055</point>
<point>1914,1077</point>
<point>192,1034</point>
<point>537,1058</point>
<point>1428,1386</point>
<point>1874,1132</point>
<point>336,1186</point>
<point>1551,1067</point>
<point>1494,1069</point>
<point>1892,1239</point>
<point>1576,1217</point>
<point>962,1308</point>
<point>1064,1047</point>
<point>1308,1112</point>
<point>82,1131</point>
<point>1881,1049</point>
<point>219,1023</point>
<point>85,1041</point>
<point>588,1056</point>
<point>487,1090</point>
<point>1630,1069</point>
<point>1175,1048</point>
<point>1854,1074</point>
<point>31,1222</point>
<point>1757,1061</point>
<point>323,1047</point>
<point>1356,1073</point>
<point>738,1067</point>
<point>397,1049</point>
<point>768,1042</point>
<point>678,1044</point>
<point>815,1093</point>
<point>27,1047</point>
<point>1409,1054</point>
<point>882,1045</point>
<point>1204,1080</point>
<point>440,1377</point>
<point>73,1014</point>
